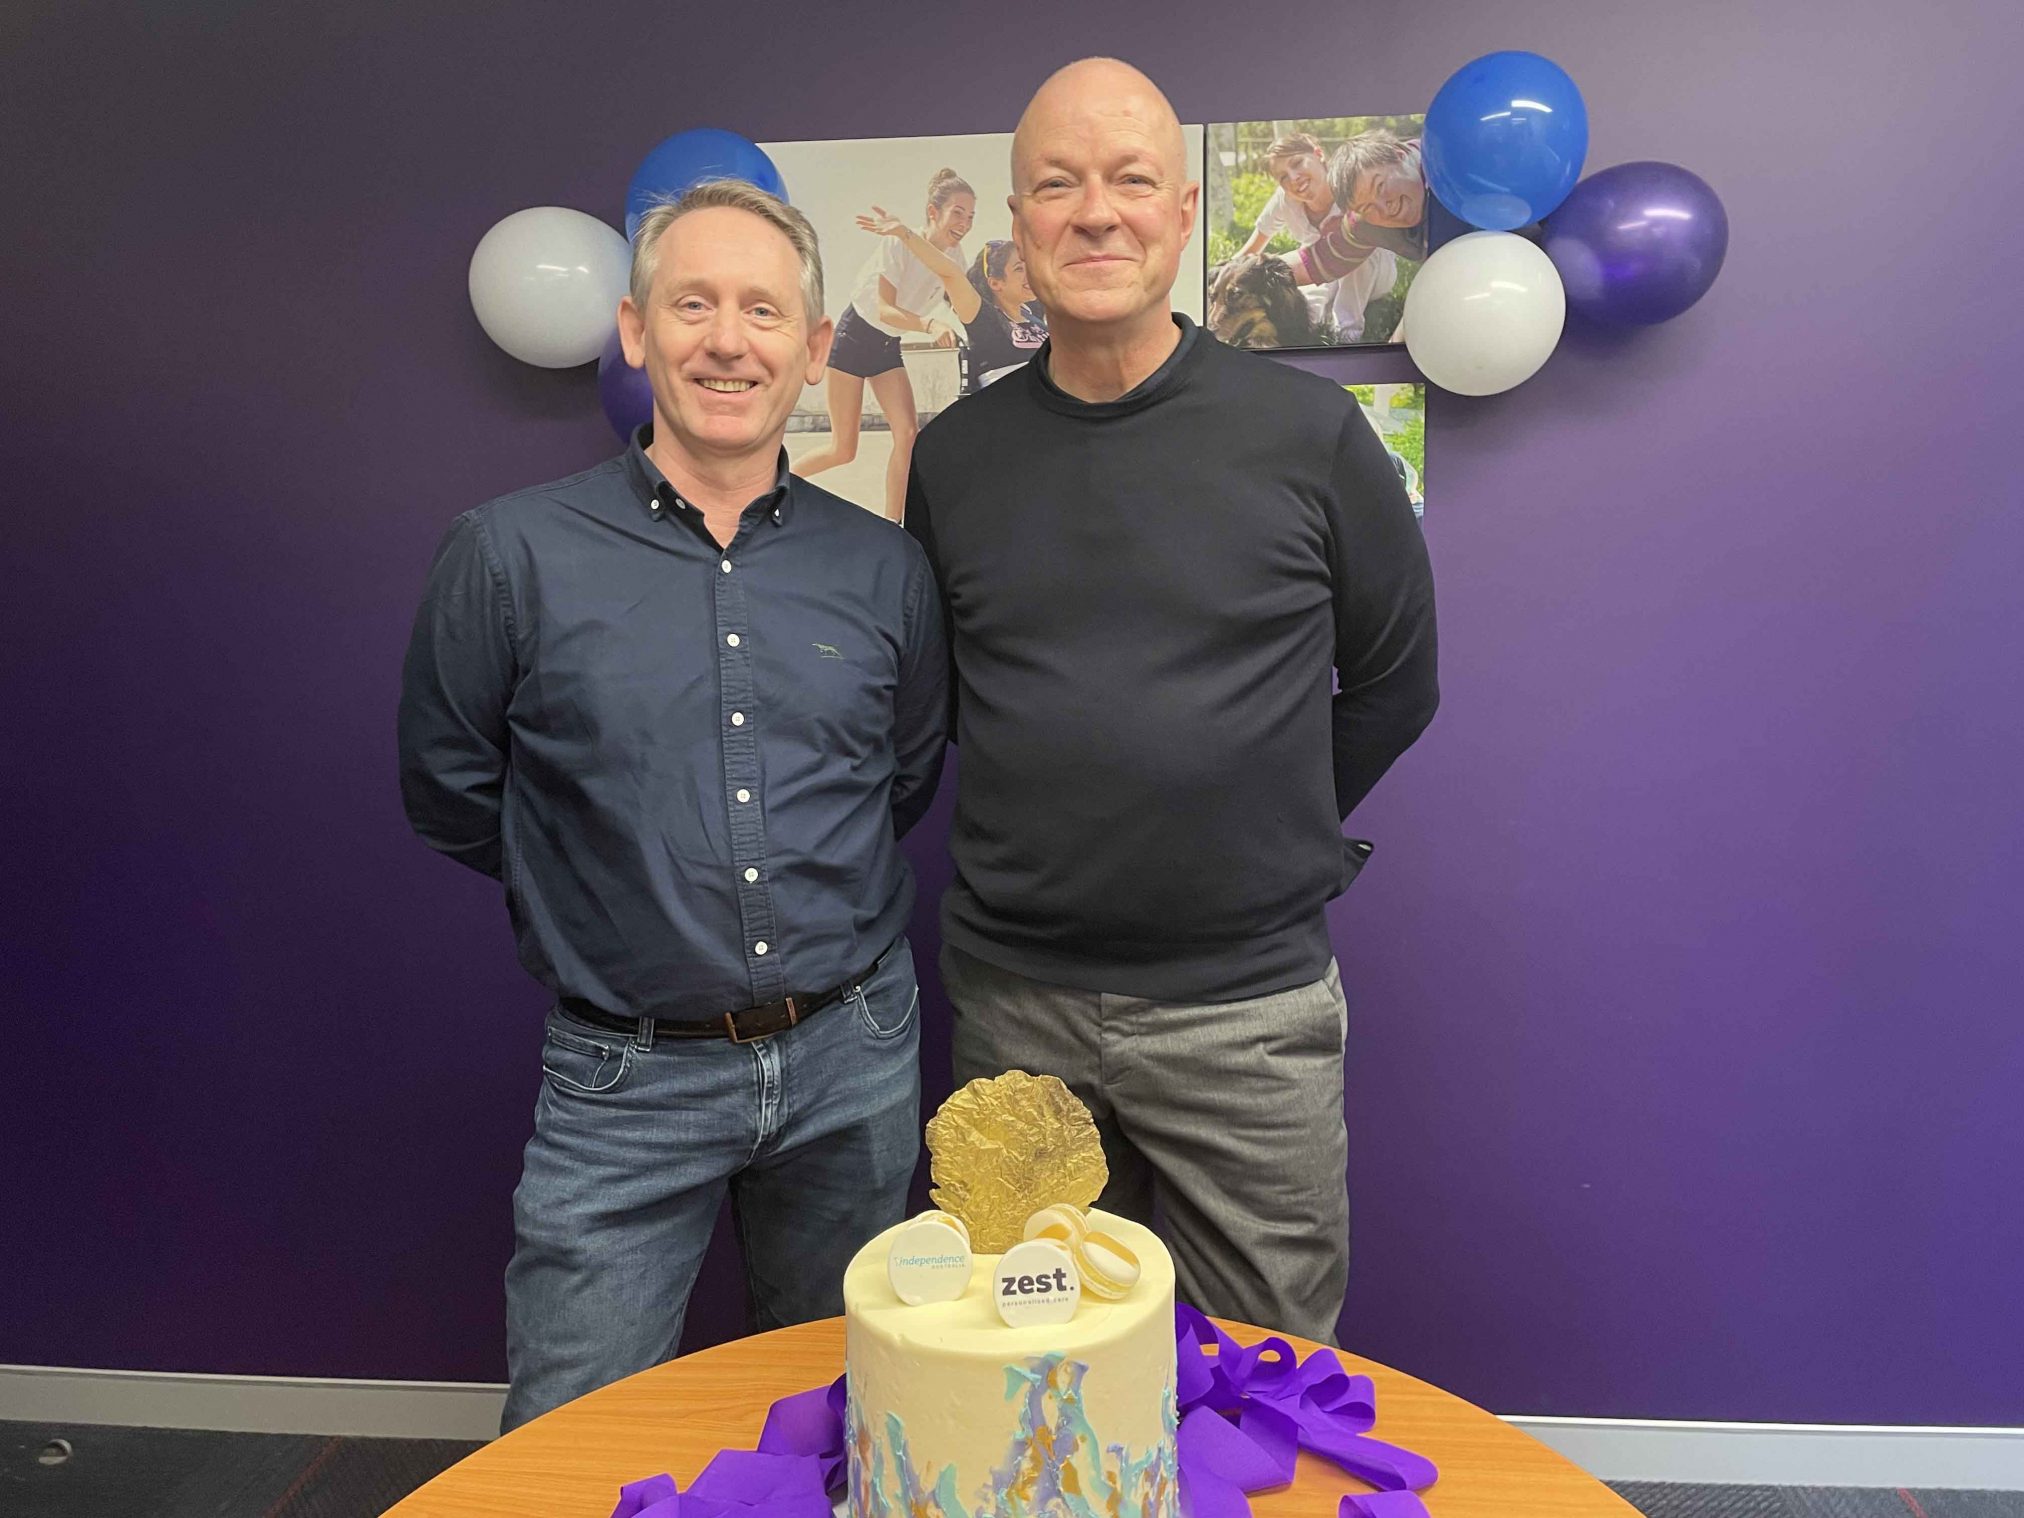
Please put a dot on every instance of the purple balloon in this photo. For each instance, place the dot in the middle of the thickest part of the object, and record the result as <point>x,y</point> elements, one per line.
<point>623,391</point>
<point>1638,243</point>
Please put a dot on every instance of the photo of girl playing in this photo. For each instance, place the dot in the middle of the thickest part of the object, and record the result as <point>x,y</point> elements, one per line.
<point>1008,327</point>
<point>913,271</point>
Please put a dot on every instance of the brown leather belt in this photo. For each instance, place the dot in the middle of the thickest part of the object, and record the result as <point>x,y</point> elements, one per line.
<point>748,1026</point>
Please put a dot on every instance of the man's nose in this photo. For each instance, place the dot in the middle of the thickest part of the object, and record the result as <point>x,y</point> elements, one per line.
<point>726,334</point>
<point>1093,210</point>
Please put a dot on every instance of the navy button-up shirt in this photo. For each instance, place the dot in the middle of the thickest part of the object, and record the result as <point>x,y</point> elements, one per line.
<point>689,765</point>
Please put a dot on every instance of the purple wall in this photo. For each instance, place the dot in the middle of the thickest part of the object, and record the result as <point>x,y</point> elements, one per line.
<point>1686,980</point>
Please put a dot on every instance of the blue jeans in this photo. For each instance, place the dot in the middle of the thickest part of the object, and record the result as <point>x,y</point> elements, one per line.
<point>814,1132</point>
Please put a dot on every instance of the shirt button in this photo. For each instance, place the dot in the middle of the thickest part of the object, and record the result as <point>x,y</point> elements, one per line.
<point>737,719</point>
<point>732,639</point>
<point>759,947</point>
<point>744,795</point>
<point>725,566</point>
<point>751,874</point>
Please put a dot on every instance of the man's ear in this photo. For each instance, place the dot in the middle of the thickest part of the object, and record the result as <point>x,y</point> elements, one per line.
<point>1191,205</point>
<point>632,333</point>
<point>818,349</point>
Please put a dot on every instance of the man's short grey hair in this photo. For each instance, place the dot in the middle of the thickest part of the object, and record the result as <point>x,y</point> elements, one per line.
<point>735,195</point>
<point>1360,155</point>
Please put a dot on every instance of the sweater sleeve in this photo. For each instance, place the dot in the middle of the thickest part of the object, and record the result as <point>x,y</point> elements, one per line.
<point>1385,661</point>
<point>1331,255</point>
<point>921,708</point>
<point>919,521</point>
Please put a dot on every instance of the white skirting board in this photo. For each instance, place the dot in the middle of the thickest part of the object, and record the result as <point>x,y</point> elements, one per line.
<point>1615,1449</point>
<point>1787,1454</point>
<point>252,1404</point>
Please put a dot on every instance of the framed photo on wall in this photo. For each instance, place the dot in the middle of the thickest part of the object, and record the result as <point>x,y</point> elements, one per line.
<point>929,295</point>
<point>1398,415</point>
<point>1316,226</point>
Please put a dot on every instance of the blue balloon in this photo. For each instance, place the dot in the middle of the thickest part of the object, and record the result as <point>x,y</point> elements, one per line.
<point>1638,243</point>
<point>623,391</point>
<point>690,157</point>
<point>1504,140</point>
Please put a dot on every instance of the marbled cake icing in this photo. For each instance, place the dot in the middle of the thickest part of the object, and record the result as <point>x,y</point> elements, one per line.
<point>953,1414</point>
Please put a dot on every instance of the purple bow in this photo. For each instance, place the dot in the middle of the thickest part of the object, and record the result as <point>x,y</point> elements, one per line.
<point>799,1458</point>
<point>1281,1405</point>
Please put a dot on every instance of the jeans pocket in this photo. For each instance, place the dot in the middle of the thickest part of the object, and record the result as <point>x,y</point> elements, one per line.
<point>582,1064</point>
<point>887,1002</point>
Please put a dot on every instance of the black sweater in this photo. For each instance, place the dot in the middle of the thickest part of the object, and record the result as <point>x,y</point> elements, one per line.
<point>1148,600</point>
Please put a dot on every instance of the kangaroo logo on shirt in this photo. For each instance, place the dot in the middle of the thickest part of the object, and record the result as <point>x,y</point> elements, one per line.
<point>828,652</point>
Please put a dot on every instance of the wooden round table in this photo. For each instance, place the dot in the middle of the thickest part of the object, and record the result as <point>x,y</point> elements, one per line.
<point>571,1462</point>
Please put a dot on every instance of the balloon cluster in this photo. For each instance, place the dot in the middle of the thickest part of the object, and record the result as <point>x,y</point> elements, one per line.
<point>1503,148</point>
<point>546,282</point>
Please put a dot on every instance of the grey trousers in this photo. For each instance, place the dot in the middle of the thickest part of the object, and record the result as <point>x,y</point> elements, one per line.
<point>1229,1114</point>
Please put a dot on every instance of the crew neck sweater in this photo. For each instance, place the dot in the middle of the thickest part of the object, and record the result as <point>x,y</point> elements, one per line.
<point>1150,601</point>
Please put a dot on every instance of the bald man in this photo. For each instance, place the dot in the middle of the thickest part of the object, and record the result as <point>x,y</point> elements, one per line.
<point>1157,555</point>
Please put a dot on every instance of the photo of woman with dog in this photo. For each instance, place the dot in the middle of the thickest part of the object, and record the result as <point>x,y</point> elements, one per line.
<point>1334,209</point>
<point>911,273</point>
<point>1301,207</point>
<point>1009,327</point>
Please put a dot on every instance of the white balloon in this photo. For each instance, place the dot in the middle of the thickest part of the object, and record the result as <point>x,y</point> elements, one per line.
<point>1484,312</point>
<point>546,284</point>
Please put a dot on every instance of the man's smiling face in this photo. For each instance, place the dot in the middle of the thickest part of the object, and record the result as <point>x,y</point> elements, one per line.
<point>724,338</point>
<point>1101,202</point>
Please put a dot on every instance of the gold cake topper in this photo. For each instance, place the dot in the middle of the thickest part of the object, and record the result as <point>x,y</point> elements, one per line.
<point>1005,1146</point>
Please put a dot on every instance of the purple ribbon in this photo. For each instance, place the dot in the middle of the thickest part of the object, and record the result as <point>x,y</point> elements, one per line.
<point>1244,1414</point>
<point>790,1475</point>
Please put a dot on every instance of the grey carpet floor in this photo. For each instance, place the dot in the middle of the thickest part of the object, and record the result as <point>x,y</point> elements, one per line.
<point>183,1473</point>
<point>50,1470</point>
<point>1658,1499</point>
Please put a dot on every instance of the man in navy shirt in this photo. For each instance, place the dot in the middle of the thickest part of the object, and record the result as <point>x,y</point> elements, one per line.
<point>683,705</point>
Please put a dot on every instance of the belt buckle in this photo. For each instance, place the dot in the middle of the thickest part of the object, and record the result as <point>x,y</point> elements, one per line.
<point>788,1004</point>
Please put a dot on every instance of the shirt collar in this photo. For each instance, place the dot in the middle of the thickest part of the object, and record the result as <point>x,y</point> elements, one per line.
<point>650,486</point>
<point>1144,392</point>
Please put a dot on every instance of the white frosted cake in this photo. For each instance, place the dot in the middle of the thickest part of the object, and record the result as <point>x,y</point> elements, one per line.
<point>957,1413</point>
